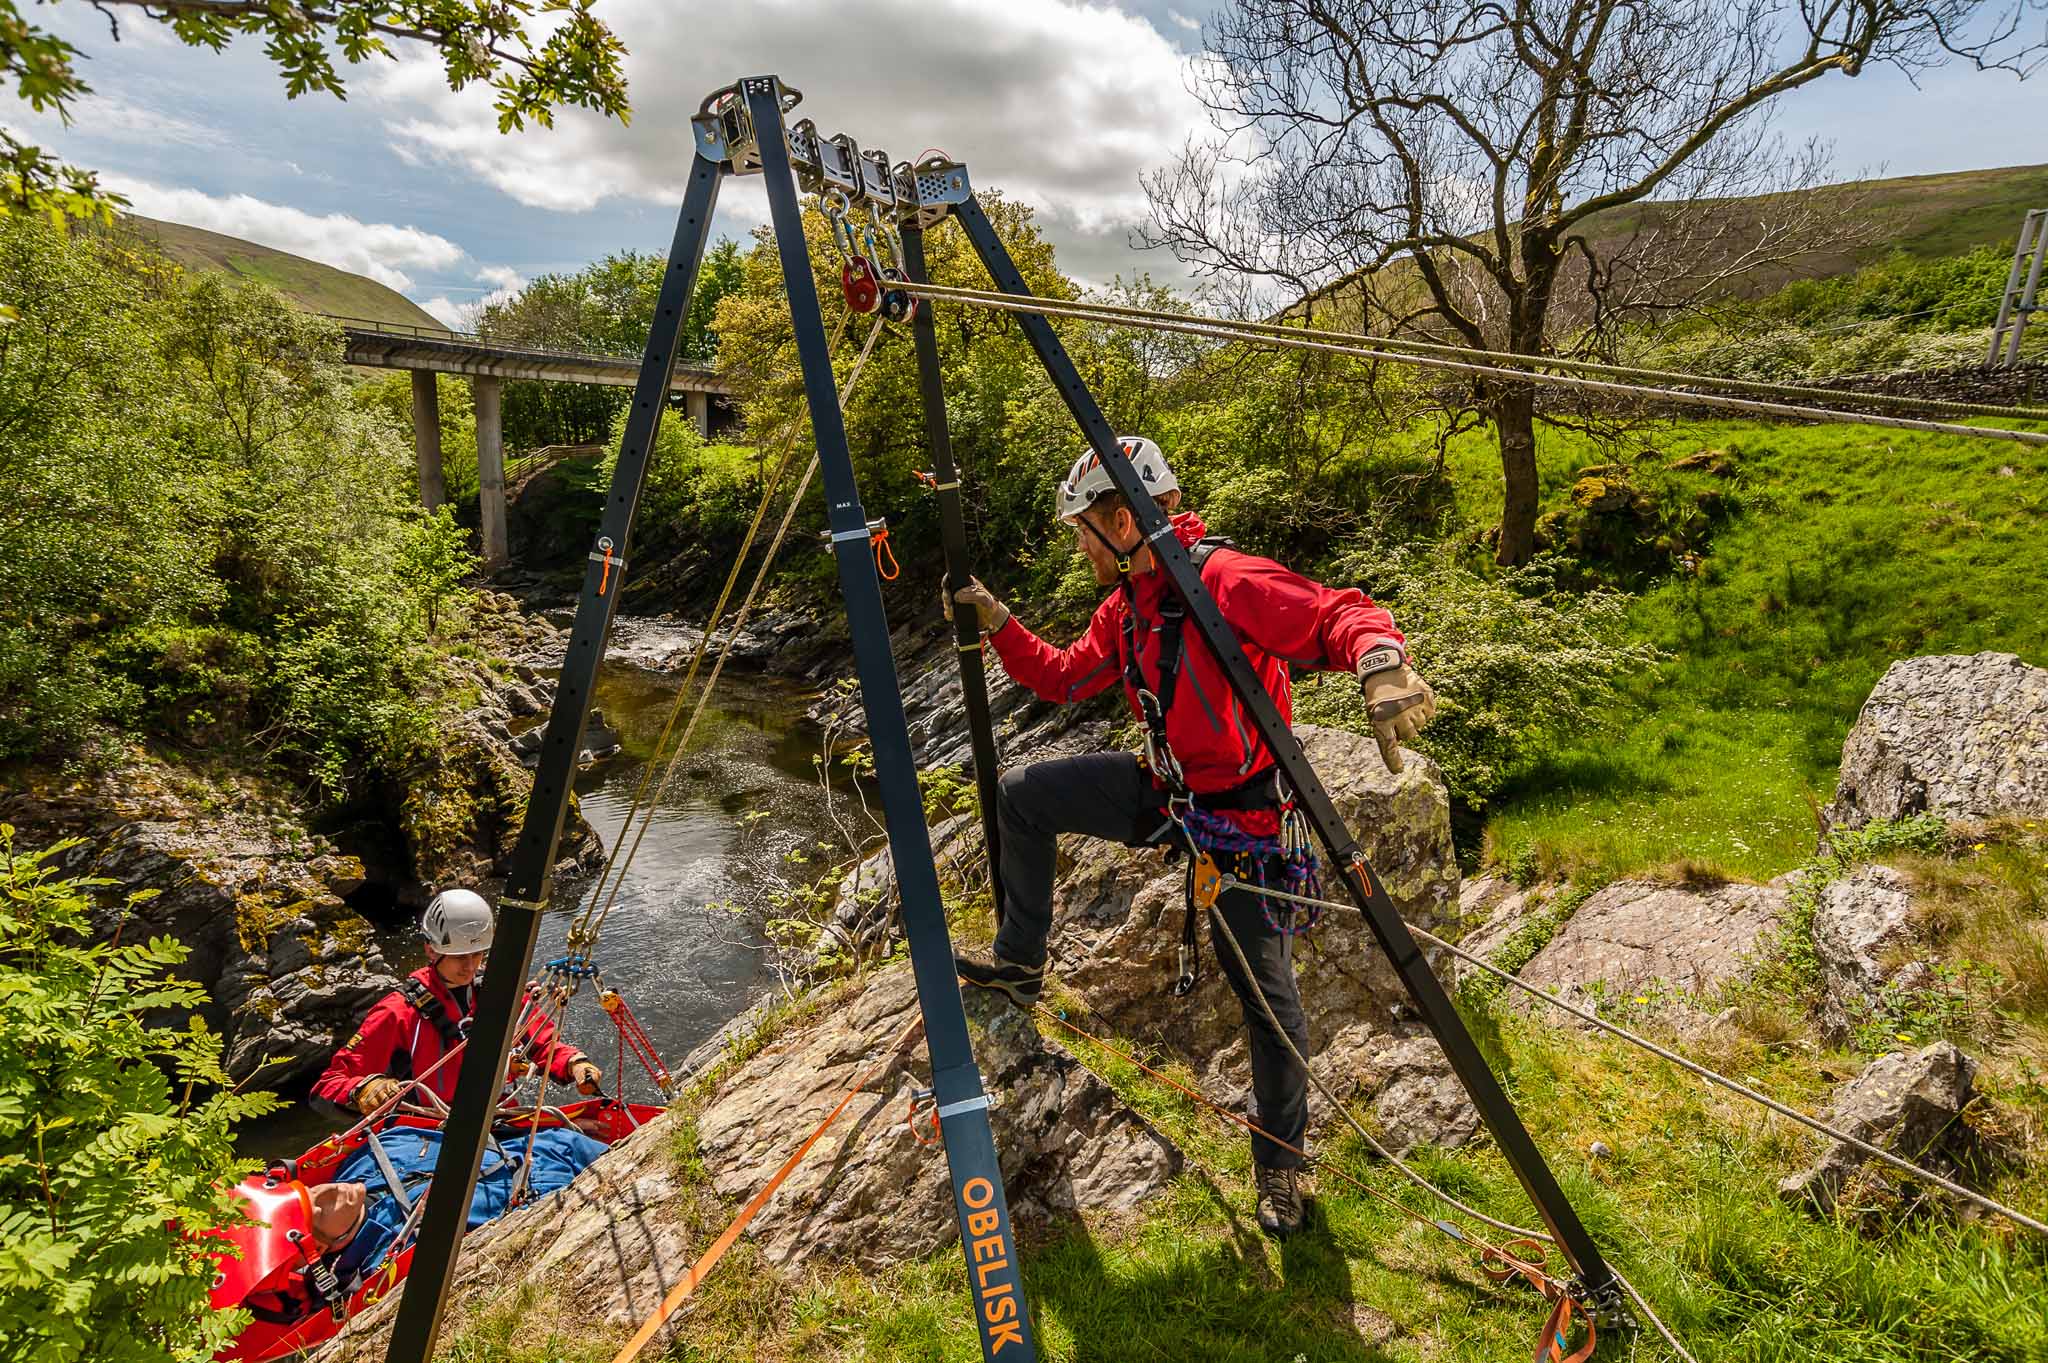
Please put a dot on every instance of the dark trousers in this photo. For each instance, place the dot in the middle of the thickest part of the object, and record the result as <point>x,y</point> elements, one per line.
<point>1109,795</point>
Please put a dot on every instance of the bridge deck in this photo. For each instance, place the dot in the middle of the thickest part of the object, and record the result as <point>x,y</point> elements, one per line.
<point>381,345</point>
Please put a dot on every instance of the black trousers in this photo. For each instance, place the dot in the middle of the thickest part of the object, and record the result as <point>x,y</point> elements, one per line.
<point>1109,795</point>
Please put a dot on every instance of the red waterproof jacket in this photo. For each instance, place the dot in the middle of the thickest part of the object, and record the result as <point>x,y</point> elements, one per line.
<point>1279,616</point>
<point>402,1041</point>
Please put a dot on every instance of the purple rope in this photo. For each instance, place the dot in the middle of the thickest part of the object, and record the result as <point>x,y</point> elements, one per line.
<point>1299,873</point>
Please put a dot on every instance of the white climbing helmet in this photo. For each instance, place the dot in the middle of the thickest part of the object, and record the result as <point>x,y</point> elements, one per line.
<point>1088,479</point>
<point>457,922</point>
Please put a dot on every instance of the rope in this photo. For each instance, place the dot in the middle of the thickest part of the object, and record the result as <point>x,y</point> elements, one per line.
<point>732,578</point>
<point>1701,1071</point>
<point>1216,921</point>
<point>590,926</point>
<point>716,1250</point>
<point>1271,330</point>
<point>1531,1269</point>
<point>1295,340</point>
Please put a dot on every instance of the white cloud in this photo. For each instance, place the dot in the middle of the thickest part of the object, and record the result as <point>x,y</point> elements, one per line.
<point>383,251</point>
<point>1061,103</point>
<point>502,278</point>
<point>455,316</point>
<point>1191,25</point>
<point>111,118</point>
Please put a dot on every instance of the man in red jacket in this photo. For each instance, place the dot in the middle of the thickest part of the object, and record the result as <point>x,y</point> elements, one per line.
<point>408,1031</point>
<point>1201,747</point>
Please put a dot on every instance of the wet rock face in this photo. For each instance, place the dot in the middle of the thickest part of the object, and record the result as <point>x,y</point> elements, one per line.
<point>1964,737</point>
<point>242,882</point>
<point>1910,1103</point>
<point>872,1191</point>
<point>1861,928</point>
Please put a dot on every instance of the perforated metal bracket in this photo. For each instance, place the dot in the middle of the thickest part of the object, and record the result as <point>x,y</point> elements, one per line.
<point>741,145</point>
<point>877,185</point>
<point>929,190</point>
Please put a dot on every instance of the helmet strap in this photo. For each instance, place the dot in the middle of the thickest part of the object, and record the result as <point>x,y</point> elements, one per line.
<point>1122,556</point>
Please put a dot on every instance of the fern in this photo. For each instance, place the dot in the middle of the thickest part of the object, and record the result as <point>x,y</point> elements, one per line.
<point>107,1164</point>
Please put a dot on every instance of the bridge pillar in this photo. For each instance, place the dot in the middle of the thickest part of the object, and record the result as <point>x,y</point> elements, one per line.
<point>426,438</point>
<point>700,412</point>
<point>490,467</point>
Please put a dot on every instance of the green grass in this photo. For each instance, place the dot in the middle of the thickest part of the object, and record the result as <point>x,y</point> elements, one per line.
<point>308,283</point>
<point>1853,547</point>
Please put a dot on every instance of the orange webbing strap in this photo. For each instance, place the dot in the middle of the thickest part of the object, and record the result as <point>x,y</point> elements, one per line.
<point>880,539</point>
<point>1556,1335</point>
<point>716,1251</point>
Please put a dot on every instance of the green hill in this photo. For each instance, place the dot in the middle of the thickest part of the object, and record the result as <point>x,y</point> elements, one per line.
<point>313,286</point>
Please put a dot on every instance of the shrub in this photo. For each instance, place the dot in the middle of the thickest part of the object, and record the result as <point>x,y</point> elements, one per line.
<point>109,1155</point>
<point>1517,664</point>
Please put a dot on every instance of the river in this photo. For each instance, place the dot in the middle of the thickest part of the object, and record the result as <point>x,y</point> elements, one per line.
<point>741,822</point>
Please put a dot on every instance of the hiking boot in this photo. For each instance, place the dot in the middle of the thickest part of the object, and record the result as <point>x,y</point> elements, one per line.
<point>1021,982</point>
<point>1279,1201</point>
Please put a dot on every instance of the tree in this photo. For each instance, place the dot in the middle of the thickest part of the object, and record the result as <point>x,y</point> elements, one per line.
<point>1521,176</point>
<point>607,307</point>
<point>116,1137</point>
<point>577,62</point>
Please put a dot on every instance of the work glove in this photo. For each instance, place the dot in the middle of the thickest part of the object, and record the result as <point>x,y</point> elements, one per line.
<point>1397,700</point>
<point>585,1075</point>
<point>374,1092</point>
<point>990,613</point>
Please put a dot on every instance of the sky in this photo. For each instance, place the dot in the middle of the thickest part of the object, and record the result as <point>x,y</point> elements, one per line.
<point>1062,104</point>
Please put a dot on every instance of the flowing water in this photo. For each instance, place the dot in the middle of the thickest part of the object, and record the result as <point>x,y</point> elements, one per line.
<point>742,820</point>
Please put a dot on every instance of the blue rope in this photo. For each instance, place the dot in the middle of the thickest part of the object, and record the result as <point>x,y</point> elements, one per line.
<point>1299,872</point>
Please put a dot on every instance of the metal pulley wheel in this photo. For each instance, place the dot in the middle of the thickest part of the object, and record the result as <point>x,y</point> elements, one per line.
<point>897,305</point>
<point>858,281</point>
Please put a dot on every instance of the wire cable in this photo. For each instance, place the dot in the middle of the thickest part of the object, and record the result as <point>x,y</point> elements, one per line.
<point>1690,1066</point>
<point>1199,327</point>
<point>1276,331</point>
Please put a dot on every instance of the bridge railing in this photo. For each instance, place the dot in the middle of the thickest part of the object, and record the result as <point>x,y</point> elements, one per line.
<point>433,333</point>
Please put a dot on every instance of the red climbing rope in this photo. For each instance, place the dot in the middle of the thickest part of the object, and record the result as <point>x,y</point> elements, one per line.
<point>634,1034</point>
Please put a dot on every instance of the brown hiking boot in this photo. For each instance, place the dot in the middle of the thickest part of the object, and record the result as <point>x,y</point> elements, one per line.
<point>1279,1201</point>
<point>1022,983</point>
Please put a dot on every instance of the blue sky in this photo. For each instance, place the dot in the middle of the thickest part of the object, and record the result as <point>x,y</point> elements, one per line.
<point>1063,104</point>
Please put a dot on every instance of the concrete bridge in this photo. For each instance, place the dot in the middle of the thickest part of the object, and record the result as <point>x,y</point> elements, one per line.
<point>428,351</point>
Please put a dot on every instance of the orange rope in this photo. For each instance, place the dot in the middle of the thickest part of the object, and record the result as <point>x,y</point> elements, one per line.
<point>706,1261</point>
<point>880,539</point>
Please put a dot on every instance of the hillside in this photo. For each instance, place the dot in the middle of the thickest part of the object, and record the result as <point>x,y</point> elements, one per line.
<point>308,283</point>
<point>1924,216</point>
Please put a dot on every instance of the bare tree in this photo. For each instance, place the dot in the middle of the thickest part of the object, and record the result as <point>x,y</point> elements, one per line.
<point>1525,175</point>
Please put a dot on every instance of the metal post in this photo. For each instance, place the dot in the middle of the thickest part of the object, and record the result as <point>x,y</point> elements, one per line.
<point>1595,1278</point>
<point>1001,1315</point>
<point>533,856</point>
<point>2024,310</point>
<point>959,567</point>
<point>426,437</point>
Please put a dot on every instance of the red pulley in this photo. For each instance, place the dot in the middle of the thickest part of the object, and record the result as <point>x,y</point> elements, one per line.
<point>857,280</point>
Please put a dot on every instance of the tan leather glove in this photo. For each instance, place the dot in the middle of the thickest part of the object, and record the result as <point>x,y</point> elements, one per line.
<point>990,613</point>
<point>585,1075</point>
<point>1397,700</point>
<point>374,1092</point>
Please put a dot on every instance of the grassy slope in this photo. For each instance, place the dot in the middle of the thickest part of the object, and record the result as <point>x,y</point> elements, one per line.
<point>1857,547</point>
<point>308,283</point>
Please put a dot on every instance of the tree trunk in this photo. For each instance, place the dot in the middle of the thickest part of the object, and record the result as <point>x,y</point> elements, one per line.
<point>1514,423</point>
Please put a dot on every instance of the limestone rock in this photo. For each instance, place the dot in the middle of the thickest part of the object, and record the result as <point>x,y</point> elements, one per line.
<point>255,896</point>
<point>1496,909</point>
<point>872,1192</point>
<point>866,916</point>
<point>1117,915</point>
<point>1412,1091</point>
<point>1964,737</point>
<point>1864,919</point>
<point>1638,936</point>
<point>1910,1103</point>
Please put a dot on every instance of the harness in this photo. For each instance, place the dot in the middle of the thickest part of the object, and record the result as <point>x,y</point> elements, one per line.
<point>430,1007</point>
<point>1200,829</point>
